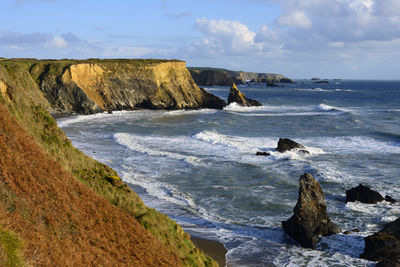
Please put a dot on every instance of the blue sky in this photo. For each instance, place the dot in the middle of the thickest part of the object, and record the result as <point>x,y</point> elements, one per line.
<point>297,38</point>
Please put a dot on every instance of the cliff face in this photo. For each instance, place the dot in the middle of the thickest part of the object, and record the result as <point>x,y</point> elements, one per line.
<point>51,193</point>
<point>93,86</point>
<point>214,76</point>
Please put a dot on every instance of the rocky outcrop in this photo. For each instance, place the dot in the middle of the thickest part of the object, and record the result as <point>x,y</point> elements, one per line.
<point>363,194</point>
<point>91,86</point>
<point>216,76</point>
<point>236,96</point>
<point>211,77</point>
<point>384,245</point>
<point>310,219</point>
<point>285,144</point>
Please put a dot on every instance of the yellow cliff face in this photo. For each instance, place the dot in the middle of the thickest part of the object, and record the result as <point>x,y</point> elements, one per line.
<point>90,87</point>
<point>88,77</point>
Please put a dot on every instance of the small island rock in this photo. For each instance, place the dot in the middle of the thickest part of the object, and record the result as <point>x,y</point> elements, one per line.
<point>285,144</point>
<point>384,245</point>
<point>363,194</point>
<point>262,153</point>
<point>310,219</point>
<point>236,96</point>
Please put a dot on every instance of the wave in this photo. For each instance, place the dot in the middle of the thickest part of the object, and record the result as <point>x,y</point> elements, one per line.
<point>105,117</point>
<point>250,145</point>
<point>190,112</point>
<point>324,107</point>
<point>132,142</point>
<point>322,90</point>
<point>285,110</point>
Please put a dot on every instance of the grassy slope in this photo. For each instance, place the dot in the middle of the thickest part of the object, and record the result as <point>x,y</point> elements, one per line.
<point>28,106</point>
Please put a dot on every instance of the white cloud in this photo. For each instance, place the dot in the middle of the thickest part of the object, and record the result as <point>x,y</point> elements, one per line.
<point>295,19</point>
<point>57,42</point>
<point>225,35</point>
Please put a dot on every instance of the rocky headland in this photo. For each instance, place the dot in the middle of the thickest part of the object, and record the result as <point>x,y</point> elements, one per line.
<point>224,77</point>
<point>91,86</point>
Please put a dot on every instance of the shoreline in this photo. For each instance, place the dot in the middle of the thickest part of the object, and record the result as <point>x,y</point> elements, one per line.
<point>214,249</point>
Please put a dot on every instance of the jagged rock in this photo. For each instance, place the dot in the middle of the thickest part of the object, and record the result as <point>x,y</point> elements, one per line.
<point>390,199</point>
<point>363,194</point>
<point>310,219</point>
<point>236,96</point>
<point>262,153</point>
<point>285,144</point>
<point>384,245</point>
<point>351,231</point>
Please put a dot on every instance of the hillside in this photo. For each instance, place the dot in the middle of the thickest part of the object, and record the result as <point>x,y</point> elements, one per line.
<point>204,76</point>
<point>61,207</point>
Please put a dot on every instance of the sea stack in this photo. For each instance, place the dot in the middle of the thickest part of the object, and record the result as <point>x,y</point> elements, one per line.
<point>236,96</point>
<point>310,219</point>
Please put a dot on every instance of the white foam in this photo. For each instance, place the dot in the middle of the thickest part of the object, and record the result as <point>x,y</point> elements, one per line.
<point>190,112</point>
<point>322,90</point>
<point>132,142</point>
<point>355,144</point>
<point>159,190</point>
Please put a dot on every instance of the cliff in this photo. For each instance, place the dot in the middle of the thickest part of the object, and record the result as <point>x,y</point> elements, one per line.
<point>60,207</point>
<point>91,86</point>
<point>216,76</point>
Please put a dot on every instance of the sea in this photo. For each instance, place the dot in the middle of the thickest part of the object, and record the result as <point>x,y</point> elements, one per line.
<point>199,166</point>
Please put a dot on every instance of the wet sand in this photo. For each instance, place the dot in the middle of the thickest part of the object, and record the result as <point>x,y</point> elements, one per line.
<point>212,248</point>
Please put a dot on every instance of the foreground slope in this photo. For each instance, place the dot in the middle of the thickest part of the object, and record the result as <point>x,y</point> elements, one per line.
<point>61,221</point>
<point>21,95</point>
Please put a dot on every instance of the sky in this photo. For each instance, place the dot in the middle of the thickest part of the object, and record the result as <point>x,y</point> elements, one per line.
<point>349,39</point>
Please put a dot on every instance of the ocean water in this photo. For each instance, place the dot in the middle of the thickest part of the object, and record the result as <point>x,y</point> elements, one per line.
<point>200,168</point>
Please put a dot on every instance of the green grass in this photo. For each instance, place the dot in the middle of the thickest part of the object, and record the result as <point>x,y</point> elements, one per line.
<point>10,247</point>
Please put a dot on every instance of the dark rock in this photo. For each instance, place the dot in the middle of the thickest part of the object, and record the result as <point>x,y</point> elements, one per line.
<point>211,77</point>
<point>212,101</point>
<point>351,231</point>
<point>363,194</point>
<point>236,96</point>
<point>322,81</point>
<point>389,263</point>
<point>384,245</point>
<point>109,111</point>
<point>390,199</point>
<point>286,80</point>
<point>310,219</point>
<point>285,144</point>
<point>262,153</point>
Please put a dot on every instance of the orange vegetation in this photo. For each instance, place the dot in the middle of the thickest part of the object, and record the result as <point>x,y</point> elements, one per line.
<point>60,221</point>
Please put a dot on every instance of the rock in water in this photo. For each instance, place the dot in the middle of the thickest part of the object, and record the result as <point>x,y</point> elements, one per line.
<point>285,144</point>
<point>236,96</point>
<point>310,219</point>
<point>363,194</point>
<point>384,245</point>
<point>390,199</point>
<point>262,153</point>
